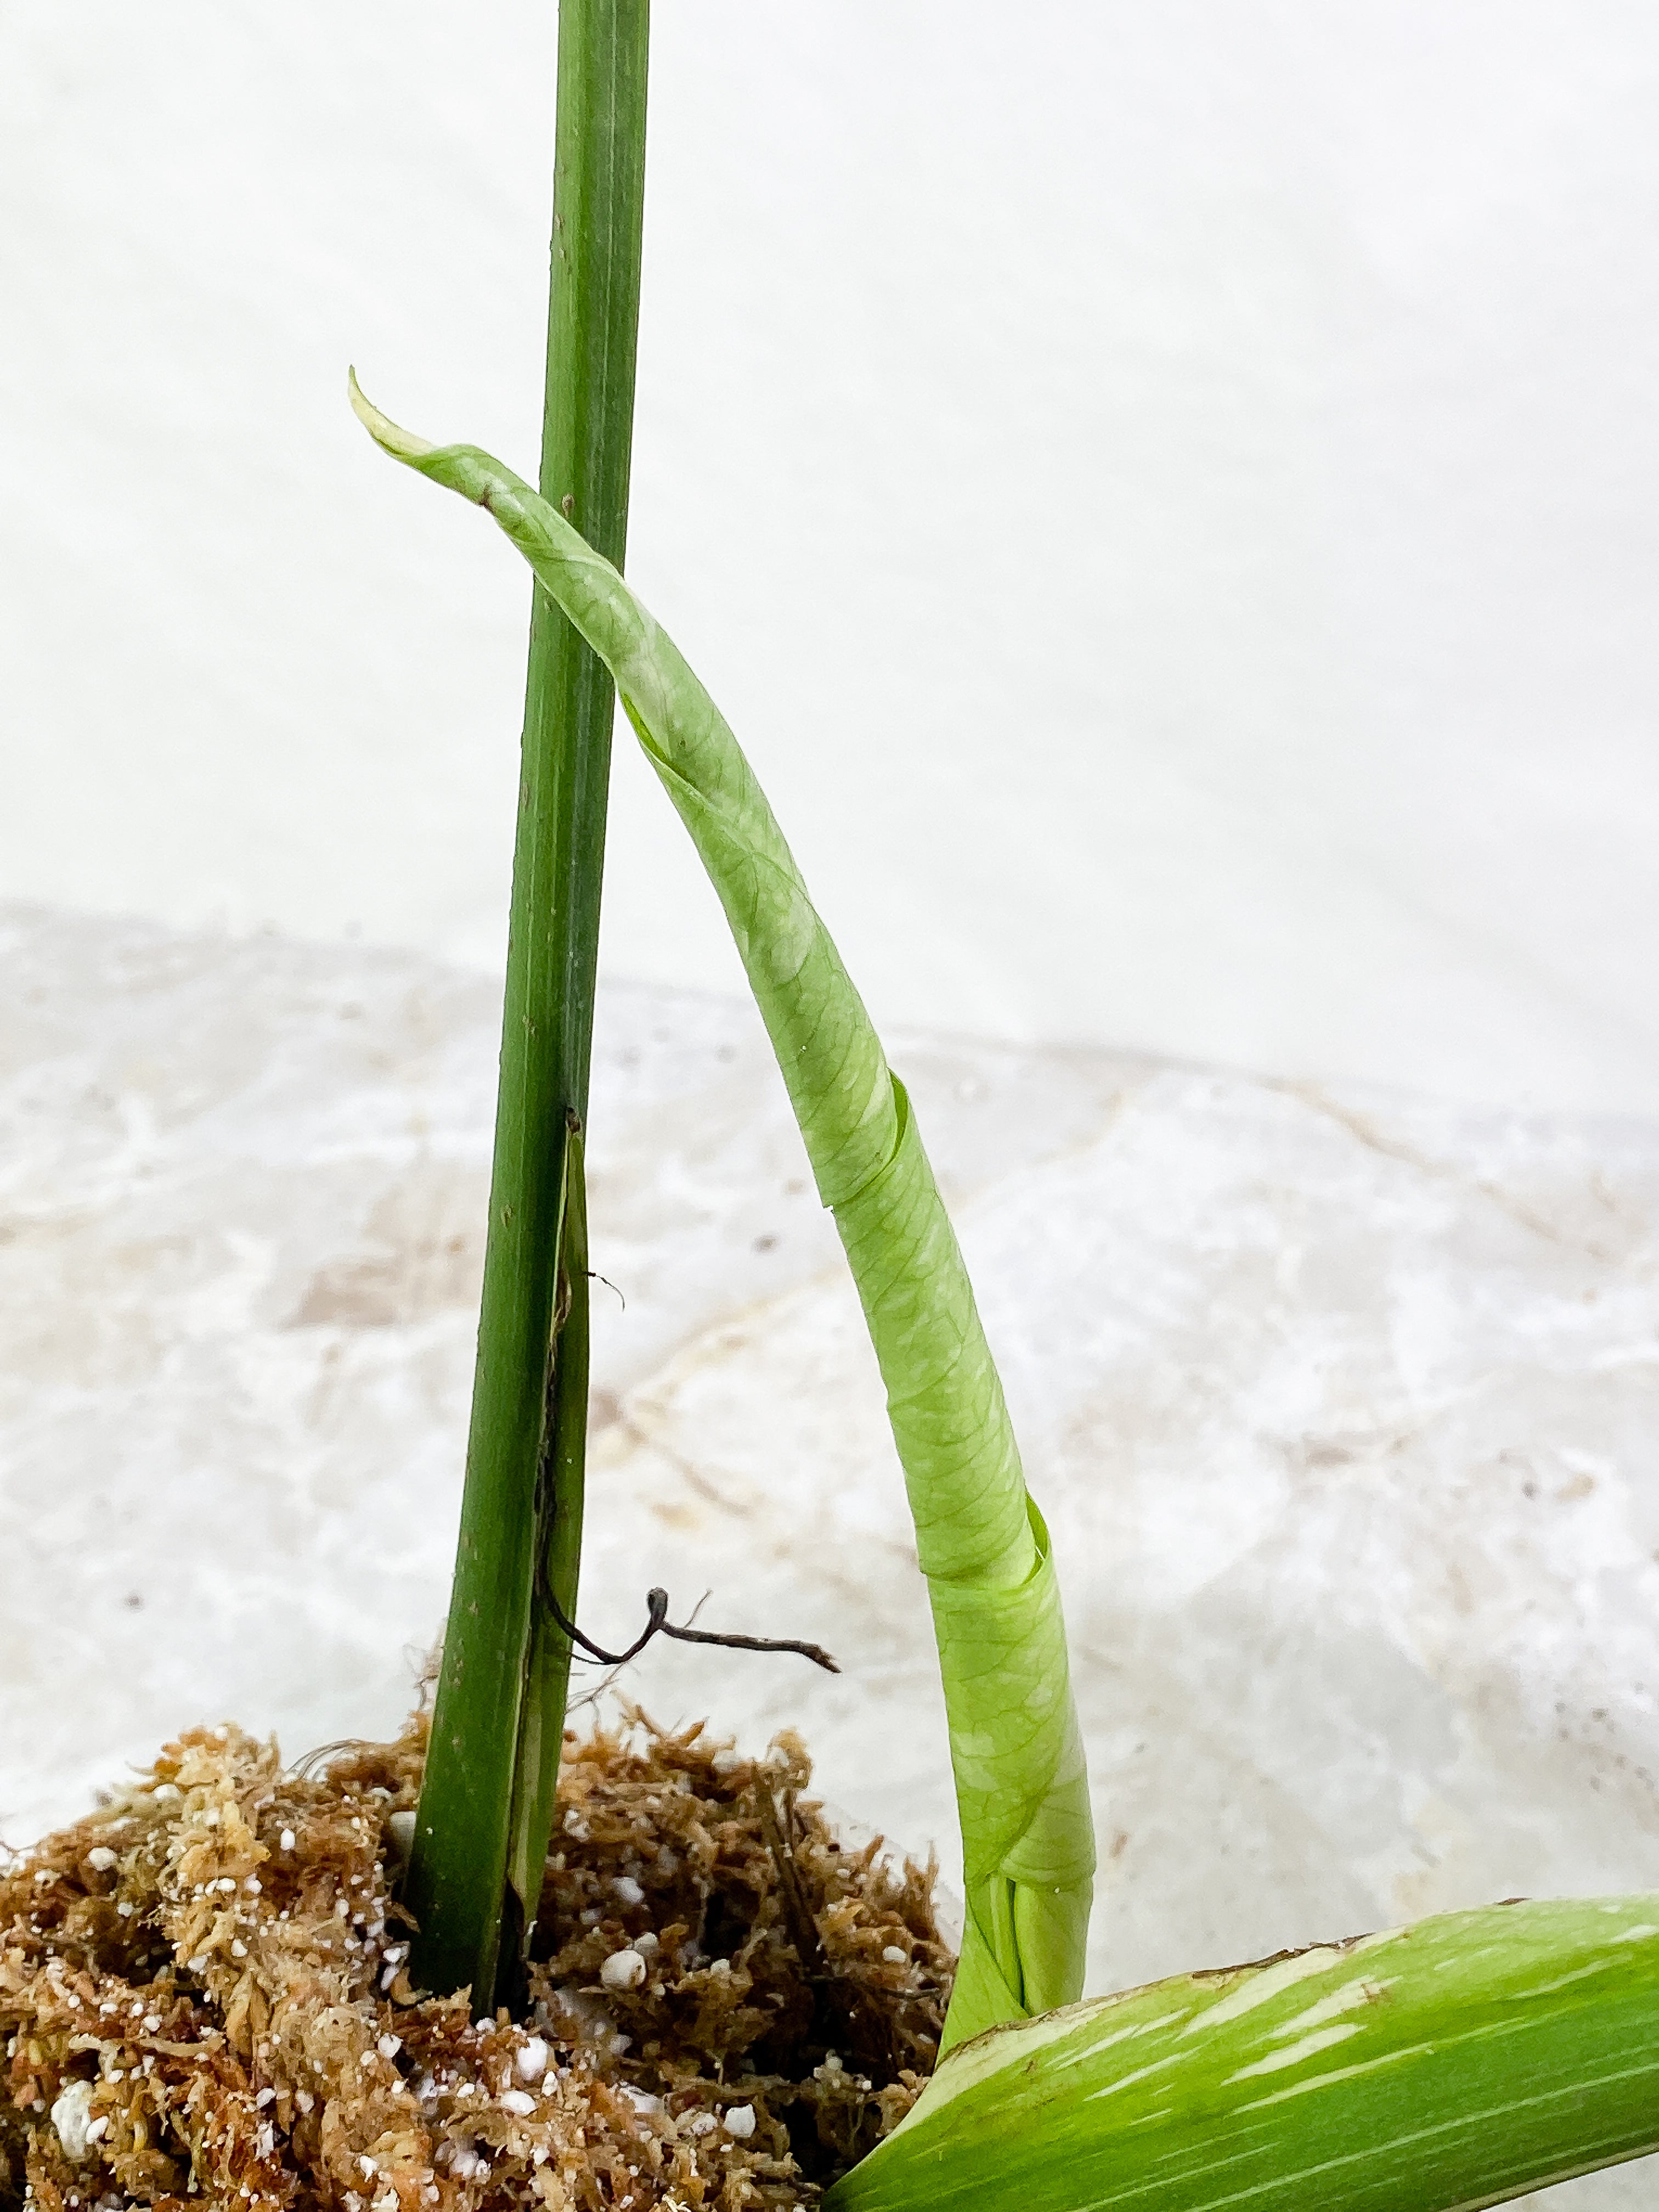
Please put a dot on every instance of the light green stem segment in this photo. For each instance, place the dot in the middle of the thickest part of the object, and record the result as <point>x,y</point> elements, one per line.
<point>1461,2063</point>
<point>1022,1791</point>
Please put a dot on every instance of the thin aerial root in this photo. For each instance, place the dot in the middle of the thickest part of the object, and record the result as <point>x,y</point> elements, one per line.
<point>658,1623</point>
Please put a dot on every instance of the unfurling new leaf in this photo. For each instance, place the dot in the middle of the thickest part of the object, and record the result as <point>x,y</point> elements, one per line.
<point>1016,1749</point>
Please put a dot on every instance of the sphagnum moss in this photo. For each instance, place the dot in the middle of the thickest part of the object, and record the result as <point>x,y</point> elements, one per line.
<point>205,1995</point>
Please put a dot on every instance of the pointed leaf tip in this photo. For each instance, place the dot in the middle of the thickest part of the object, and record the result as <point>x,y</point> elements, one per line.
<point>401,444</point>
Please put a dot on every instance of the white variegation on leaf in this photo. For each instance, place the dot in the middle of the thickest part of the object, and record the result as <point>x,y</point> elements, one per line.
<point>1472,2058</point>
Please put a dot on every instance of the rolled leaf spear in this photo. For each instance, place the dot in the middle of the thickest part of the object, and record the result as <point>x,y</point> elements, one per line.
<point>1016,1749</point>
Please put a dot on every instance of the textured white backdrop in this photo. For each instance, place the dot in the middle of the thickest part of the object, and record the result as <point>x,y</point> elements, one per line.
<point>1341,1408</point>
<point>1170,495</point>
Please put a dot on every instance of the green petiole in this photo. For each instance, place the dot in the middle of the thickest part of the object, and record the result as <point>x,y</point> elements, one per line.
<point>487,1800</point>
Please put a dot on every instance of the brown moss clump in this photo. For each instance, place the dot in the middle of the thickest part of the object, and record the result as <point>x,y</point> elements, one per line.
<point>204,1996</point>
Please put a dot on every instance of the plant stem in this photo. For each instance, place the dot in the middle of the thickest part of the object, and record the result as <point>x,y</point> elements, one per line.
<point>475,1864</point>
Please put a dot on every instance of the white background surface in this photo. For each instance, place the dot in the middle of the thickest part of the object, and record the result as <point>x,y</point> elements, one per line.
<point>1169,495</point>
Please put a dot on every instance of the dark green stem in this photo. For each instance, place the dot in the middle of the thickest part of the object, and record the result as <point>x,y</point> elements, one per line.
<point>547,1676</point>
<point>500,1712</point>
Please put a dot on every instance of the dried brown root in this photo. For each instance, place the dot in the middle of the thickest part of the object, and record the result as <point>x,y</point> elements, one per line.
<point>205,1994</point>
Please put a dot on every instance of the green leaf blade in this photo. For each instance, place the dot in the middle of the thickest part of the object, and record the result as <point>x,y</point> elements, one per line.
<point>1461,2063</point>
